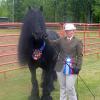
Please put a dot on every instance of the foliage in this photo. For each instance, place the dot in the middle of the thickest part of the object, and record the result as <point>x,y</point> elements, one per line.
<point>54,10</point>
<point>96,9</point>
<point>18,10</point>
<point>3,8</point>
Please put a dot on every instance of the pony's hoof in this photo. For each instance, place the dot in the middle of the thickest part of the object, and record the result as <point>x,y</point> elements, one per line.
<point>46,98</point>
<point>33,98</point>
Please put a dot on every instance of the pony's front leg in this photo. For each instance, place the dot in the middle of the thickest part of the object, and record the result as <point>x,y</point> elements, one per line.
<point>35,88</point>
<point>47,85</point>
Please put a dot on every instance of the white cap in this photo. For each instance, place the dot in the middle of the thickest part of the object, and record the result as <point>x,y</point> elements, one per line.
<point>69,26</point>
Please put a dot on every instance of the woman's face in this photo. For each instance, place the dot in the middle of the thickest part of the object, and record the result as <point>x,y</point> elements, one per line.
<point>69,33</point>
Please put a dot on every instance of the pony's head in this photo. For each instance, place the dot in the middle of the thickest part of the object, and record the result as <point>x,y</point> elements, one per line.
<point>34,24</point>
<point>33,31</point>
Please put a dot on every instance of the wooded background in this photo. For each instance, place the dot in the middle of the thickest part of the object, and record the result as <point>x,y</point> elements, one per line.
<point>79,11</point>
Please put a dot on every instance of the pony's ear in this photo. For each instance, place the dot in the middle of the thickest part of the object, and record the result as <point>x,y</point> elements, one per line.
<point>41,8</point>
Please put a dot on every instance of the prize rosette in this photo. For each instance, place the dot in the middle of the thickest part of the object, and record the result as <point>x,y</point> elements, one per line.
<point>67,66</point>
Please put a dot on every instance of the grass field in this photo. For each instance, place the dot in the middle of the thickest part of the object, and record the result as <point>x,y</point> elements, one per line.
<point>16,85</point>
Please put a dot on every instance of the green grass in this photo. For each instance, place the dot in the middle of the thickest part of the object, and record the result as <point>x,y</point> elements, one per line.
<point>17,85</point>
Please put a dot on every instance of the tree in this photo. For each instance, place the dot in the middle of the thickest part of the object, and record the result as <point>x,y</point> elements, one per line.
<point>18,10</point>
<point>3,8</point>
<point>96,10</point>
<point>10,9</point>
<point>54,10</point>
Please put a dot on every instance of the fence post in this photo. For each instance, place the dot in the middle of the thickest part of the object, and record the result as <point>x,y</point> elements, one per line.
<point>84,40</point>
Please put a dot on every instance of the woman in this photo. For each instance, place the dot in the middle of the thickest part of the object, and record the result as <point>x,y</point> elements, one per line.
<point>69,62</point>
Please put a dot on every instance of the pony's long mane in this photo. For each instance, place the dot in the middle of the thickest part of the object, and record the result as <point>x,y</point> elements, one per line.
<point>33,23</point>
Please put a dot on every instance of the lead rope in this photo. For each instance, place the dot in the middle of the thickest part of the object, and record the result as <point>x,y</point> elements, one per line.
<point>87,87</point>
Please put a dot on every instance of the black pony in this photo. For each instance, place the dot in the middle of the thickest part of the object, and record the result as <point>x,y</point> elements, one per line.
<point>34,37</point>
